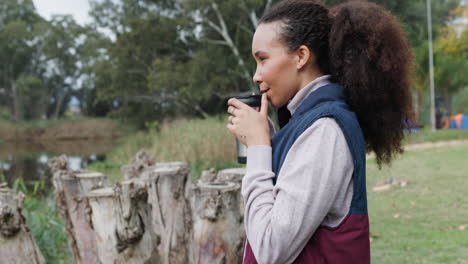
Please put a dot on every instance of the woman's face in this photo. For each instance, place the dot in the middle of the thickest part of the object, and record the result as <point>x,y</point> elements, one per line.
<point>276,72</point>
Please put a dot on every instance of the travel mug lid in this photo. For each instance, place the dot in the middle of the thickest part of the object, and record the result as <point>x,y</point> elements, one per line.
<point>250,100</point>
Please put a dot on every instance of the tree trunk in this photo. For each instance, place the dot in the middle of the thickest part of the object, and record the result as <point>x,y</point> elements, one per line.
<point>419,107</point>
<point>70,193</point>
<point>58,104</point>
<point>121,221</point>
<point>167,185</point>
<point>17,110</point>
<point>217,225</point>
<point>16,242</point>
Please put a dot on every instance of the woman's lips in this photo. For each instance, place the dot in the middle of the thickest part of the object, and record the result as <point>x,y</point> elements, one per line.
<point>264,91</point>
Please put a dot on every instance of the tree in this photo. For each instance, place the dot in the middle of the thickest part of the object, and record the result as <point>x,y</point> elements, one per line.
<point>40,68</point>
<point>31,91</point>
<point>142,39</point>
<point>17,25</point>
<point>185,57</point>
<point>91,52</point>
<point>451,60</point>
<point>59,52</point>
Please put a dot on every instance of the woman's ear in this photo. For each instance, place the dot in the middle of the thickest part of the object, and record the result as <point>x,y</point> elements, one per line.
<point>304,56</point>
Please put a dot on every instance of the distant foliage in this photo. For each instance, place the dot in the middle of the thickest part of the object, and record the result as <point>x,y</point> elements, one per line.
<point>151,60</point>
<point>460,101</point>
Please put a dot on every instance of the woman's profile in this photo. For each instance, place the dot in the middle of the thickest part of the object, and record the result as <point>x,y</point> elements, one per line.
<point>340,78</point>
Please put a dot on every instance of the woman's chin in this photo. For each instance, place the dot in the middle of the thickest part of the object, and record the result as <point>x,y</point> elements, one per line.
<point>276,104</point>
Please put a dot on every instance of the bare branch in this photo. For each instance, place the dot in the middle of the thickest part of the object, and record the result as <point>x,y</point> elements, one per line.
<point>214,26</point>
<point>268,4</point>
<point>220,18</point>
<point>246,29</point>
<point>217,42</point>
<point>253,18</point>
<point>194,106</point>
<point>251,14</point>
<point>223,31</point>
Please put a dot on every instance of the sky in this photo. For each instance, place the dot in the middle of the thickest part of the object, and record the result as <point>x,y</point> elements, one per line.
<point>77,8</point>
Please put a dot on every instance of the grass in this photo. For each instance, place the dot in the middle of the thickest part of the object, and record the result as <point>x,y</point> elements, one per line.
<point>44,123</point>
<point>421,223</point>
<point>427,135</point>
<point>203,144</point>
<point>7,129</point>
<point>206,144</point>
<point>47,228</point>
<point>44,221</point>
<point>66,128</point>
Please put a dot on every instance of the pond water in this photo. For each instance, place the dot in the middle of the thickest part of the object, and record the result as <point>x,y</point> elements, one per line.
<point>28,160</point>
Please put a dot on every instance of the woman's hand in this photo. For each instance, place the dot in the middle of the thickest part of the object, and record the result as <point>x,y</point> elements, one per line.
<point>248,125</point>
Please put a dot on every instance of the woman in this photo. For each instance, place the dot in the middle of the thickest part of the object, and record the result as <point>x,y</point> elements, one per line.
<point>343,74</point>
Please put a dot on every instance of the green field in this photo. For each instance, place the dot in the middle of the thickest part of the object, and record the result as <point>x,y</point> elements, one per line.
<point>426,221</point>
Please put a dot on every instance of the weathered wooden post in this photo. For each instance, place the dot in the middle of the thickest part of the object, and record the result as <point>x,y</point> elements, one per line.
<point>167,185</point>
<point>122,224</point>
<point>16,242</point>
<point>140,162</point>
<point>155,216</point>
<point>231,175</point>
<point>75,209</point>
<point>234,175</point>
<point>217,223</point>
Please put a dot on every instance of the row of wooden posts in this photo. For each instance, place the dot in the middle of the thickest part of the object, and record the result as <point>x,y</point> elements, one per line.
<point>155,215</point>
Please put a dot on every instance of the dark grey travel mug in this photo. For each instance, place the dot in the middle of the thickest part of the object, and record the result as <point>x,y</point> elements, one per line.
<point>252,101</point>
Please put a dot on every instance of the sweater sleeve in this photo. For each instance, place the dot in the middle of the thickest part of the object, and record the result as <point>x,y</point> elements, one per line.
<point>280,219</point>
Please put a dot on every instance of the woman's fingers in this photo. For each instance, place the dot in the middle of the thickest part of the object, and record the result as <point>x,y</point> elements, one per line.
<point>230,127</point>
<point>264,107</point>
<point>231,110</point>
<point>249,125</point>
<point>233,120</point>
<point>237,103</point>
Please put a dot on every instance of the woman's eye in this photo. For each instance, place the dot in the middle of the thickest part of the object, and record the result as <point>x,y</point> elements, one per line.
<point>262,58</point>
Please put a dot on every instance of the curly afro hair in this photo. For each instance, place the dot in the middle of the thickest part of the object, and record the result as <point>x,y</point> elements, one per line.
<point>364,48</point>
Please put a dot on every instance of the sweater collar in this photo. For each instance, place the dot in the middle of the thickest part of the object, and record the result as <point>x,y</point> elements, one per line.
<point>300,96</point>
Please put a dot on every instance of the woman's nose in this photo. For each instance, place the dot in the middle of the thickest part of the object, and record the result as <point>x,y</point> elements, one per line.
<point>256,78</point>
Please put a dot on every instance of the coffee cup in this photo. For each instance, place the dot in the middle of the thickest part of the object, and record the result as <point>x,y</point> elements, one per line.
<point>252,101</point>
